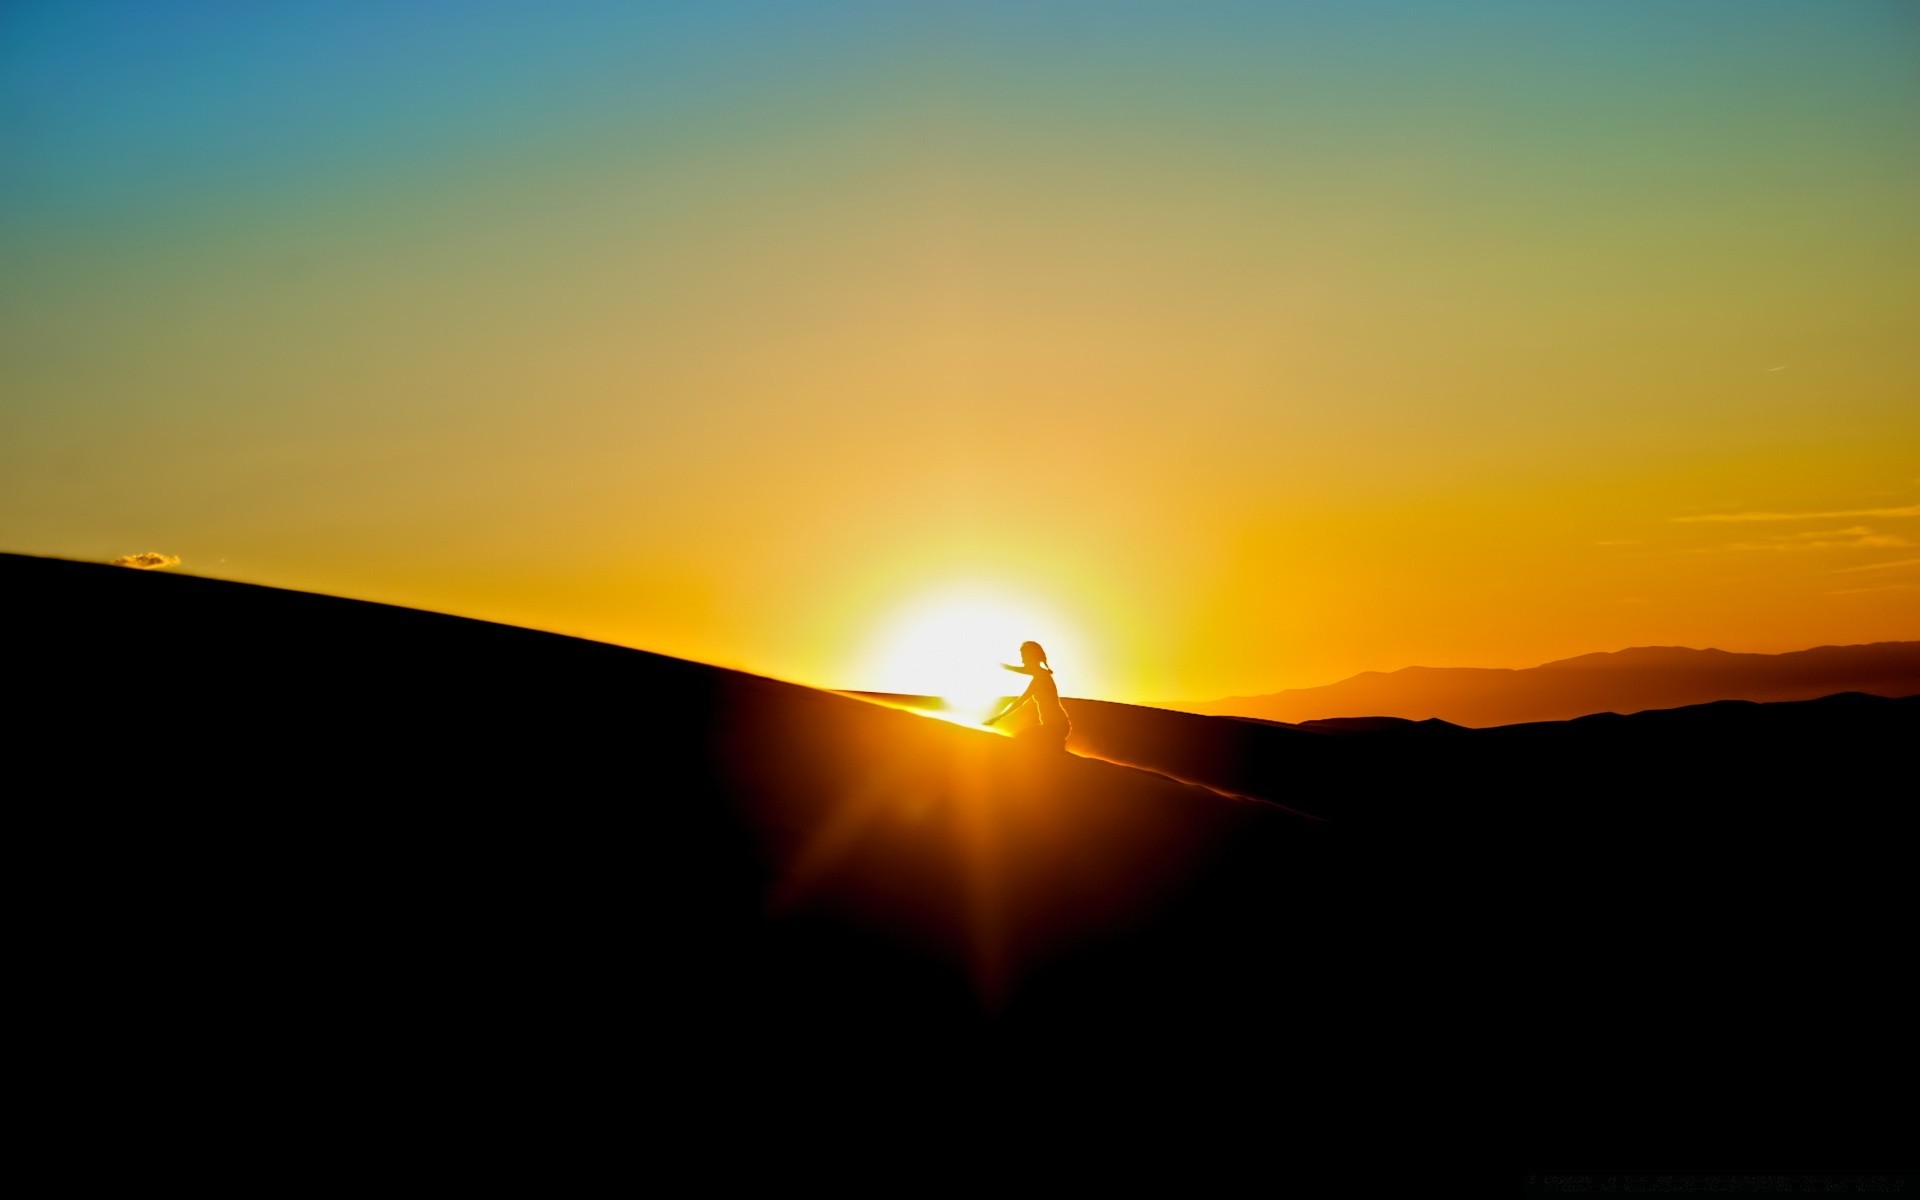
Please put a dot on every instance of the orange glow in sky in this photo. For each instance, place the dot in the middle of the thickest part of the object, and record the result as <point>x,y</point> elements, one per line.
<point>951,642</point>
<point>1220,353</point>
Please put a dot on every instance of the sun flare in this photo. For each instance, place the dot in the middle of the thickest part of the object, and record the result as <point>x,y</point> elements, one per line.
<point>951,645</point>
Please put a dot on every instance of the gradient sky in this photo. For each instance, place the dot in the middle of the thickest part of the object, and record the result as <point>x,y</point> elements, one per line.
<point>1252,344</point>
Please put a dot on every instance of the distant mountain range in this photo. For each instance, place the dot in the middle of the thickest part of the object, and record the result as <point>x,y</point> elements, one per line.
<point>1624,681</point>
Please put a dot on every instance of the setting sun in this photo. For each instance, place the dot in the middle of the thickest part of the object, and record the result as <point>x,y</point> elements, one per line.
<point>951,643</point>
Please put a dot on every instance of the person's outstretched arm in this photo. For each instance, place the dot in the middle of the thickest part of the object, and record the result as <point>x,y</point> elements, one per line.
<point>1011,705</point>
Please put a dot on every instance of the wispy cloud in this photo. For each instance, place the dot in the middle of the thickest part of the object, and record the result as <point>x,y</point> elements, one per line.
<point>150,561</point>
<point>1909,510</point>
<point>1884,587</point>
<point>1885,566</point>
<point>1877,541</point>
<point>1812,535</point>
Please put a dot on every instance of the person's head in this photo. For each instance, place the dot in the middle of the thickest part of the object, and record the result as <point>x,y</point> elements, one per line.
<point>1032,655</point>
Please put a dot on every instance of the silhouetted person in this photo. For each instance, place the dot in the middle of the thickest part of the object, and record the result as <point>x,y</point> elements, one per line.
<point>1052,730</point>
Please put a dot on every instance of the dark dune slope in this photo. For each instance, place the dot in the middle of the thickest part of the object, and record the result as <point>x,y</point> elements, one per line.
<point>298,827</point>
<point>1695,881</point>
<point>303,844</point>
<point>1682,924</point>
<point>1403,778</point>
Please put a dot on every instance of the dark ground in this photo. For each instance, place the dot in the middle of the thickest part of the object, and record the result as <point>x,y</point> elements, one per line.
<point>314,860</point>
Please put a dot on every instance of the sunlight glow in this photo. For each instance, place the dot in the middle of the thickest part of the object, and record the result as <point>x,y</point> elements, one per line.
<point>951,643</point>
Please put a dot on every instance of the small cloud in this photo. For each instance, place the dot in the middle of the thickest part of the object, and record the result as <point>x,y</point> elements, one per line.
<point>1885,587</point>
<point>1885,566</point>
<point>150,561</point>
<point>1909,510</point>
<point>1878,541</point>
<point>1855,531</point>
<point>1772,370</point>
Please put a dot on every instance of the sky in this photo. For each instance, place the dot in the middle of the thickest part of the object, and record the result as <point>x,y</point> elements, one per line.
<point>1226,347</point>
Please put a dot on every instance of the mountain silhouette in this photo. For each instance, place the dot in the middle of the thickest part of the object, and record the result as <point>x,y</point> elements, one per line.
<point>1624,681</point>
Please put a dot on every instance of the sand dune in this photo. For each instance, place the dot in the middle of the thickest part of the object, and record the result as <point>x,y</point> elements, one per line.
<point>427,825</point>
<point>299,837</point>
<point>1384,772</point>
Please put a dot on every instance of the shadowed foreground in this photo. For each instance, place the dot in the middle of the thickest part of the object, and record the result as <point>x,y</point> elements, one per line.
<point>308,847</point>
<point>309,835</point>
